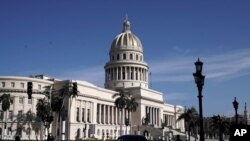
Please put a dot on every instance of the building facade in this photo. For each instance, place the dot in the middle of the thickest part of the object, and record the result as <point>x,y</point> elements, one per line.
<point>93,114</point>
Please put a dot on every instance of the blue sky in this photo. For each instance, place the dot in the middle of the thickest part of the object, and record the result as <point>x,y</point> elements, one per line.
<point>71,40</point>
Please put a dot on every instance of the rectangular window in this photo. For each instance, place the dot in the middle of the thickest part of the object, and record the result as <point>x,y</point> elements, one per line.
<point>83,115</point>
<point>77,114</point>
<point>21,100</point>
<point>10,115</point>
<point>88,116</point>
<point>29,101</point>
<point>22,85</point>
<point>3,84</point>
<point>20,115</point>
<point>12,84</point>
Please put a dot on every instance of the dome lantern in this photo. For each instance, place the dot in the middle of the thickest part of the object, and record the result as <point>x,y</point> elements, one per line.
<point>126,40</point>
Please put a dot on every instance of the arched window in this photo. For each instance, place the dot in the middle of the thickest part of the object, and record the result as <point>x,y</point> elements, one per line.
<point>124,56</point>
<point>137,57</point>
<point>78,133</point>
<point>131,56</point>
<point>118,57</point>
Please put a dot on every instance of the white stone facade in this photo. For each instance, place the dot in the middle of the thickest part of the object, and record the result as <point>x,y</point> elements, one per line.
<point>94,107</point>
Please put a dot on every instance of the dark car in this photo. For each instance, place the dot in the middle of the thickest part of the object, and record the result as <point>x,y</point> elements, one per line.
<point>131,138</point>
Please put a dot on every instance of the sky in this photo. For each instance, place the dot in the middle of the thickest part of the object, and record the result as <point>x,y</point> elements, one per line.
<point>71,40</point>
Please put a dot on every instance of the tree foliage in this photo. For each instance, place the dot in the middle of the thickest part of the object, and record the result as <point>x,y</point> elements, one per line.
<point>6,101</point>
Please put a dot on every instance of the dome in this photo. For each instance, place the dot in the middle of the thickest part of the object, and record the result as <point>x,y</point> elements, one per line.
<point>126,39</point>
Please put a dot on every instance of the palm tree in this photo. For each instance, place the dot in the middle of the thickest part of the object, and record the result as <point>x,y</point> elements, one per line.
<point>66,92</point>
<point>6,101</point>
<point>43,111</point>
<point>191,120</point>
<point>131,106</point>
<point>56,105</point>
<point>120,103</point>
<point>221,125</point>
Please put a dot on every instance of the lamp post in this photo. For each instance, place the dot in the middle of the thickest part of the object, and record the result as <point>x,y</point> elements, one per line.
<point>236,104</point>
<point>199,80</point>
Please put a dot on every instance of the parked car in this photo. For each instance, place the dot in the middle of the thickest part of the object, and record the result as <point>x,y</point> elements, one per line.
<point>132,138</point>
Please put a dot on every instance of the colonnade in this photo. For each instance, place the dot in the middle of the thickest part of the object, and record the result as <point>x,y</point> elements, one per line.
<point>84,112</point>
<point>126,73</point>
<point>154,115</point>
<point>108,114</point>
<point>169,119</point>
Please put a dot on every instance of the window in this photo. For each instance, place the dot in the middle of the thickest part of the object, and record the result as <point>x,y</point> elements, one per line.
<point>20,115</point>
<point>39,87</point>
<point>118,57</point>
<point>124,56</point>
<point>131,56</point>
<point>3,84</point>
<point>78,133</point>
<point>83,115</point>
<point>12,84</point>
<point>88,118</point>
<point>29,101</point>
<point>113,57</point>
<point>22,85</point>
<point>21,100</point>
<point>11,115</point>
<point>137,57</point>
<point>77,114</point>
<point>140,58</point>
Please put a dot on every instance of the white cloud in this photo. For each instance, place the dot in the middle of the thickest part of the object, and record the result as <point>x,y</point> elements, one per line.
<point>217,66</point>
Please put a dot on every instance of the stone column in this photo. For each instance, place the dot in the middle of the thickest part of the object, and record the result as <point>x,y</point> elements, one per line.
<point>116,73</point>
<point>104,114</point>
<point>108,114</point>
<point>86,111</point>
<point>99,112</point>
<point>80,110</point>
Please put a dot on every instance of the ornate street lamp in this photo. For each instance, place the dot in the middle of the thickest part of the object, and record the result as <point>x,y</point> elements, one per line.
<point>236,104</point>
<point>199,80</point>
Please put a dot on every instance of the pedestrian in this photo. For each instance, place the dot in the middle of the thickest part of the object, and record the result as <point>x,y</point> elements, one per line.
<point>178,138</point>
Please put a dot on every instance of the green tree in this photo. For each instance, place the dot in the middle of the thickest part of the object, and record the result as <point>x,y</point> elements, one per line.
<point>191,118</point>
<point>43,111</point>
<point>120,103</point>
<point>6,101</point>
<point>221,125</point>
<point>131,106</point>
<point>59,100</point>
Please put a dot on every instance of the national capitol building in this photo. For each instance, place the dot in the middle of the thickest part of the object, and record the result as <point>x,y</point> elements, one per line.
<point>93,114</point>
